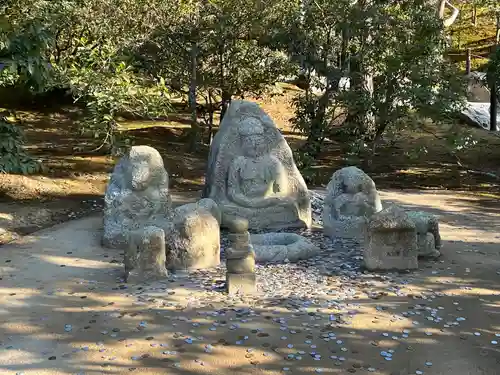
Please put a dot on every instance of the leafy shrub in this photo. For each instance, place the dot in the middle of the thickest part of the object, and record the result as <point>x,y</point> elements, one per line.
<point>13,156</point>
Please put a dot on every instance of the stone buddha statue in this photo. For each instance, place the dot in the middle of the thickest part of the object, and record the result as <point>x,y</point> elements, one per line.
<point>252,174</point>
<point>351,199</point>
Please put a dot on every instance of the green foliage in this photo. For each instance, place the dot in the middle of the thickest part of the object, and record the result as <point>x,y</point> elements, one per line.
<point>226,37</point>
<point>13,156</point>
<point>133,56</point>
<point>391,53</point>
<point>24,46</point>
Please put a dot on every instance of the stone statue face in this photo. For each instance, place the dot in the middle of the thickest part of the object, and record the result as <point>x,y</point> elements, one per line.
<point>140,175</point>
<point>253,141</point>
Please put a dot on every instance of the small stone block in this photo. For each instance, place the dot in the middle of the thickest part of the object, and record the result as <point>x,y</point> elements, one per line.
<point>241,265</point>
<point>238,253</point>
<point>238,225</point>
<point>239,241</point>
<point>240,283</point>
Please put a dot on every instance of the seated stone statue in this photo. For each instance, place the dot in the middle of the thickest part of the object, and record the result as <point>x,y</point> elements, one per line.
<point>351,199</point>
<point>252,174</point>
<point>428,237</point>
<point>137,195</point>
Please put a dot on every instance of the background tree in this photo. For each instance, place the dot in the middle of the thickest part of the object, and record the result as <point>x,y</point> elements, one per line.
<point>397,45</point>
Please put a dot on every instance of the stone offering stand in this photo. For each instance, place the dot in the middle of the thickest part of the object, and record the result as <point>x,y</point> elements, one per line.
<point>253,189</point>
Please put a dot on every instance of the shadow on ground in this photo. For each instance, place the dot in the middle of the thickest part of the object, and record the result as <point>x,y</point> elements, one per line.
<point>441,319</point>
<point>174,324</point>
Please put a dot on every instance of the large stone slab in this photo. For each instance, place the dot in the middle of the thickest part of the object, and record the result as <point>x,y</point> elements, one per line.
<point>478,115</point>
<point>251,172</point>
<point>282,247</point>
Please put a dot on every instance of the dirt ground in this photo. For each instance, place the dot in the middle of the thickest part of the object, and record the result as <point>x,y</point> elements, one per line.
<point>63,311</point>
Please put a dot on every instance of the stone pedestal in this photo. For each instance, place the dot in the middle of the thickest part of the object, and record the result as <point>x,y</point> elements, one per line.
<point>391,241</point>
<point>240,283</point>
<point>145,256</point>
<point>240,260</point>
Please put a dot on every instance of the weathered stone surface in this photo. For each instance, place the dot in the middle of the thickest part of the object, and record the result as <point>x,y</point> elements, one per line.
<point>193,238</point>
<point>428,237</point>
<point>477,88</point>
<point>137,195</point>
<point>351,199</point>
<point>241,283</point>
<point>240,259</point>
<point>206,204</point>
<point>238,225</point>
<point>145,255</point>
<point>251,172</point>
<point>282,247</point>
<point>478,115</point>
<point>391,241</point>
<point>242,264</point>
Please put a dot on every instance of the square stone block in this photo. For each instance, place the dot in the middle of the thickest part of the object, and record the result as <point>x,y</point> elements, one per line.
<point>242,283</point>
<point>239,241</point>
<point>232,253</point>
<point>389,250</point>
<point>241,265</point>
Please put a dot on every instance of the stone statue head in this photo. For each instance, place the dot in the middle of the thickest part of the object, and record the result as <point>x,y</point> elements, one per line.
<point>253,140</point>
<point>145,168</point>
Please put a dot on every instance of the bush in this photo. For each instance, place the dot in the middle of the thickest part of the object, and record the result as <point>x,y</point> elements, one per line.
<point>13,156</point>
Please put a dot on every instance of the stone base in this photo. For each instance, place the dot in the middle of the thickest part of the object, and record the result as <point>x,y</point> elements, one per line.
<point>275,217</point>
<point>137,277</point>
<point>282,247</point>
<point>352,228</point>
<point>242,283</point>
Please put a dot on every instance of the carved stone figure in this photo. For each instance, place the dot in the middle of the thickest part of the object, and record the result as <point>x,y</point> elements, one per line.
<point>145,255</point>
<point>391,241</point>
<point>351,199</point>
<point>251,172</point>
<point>428,237</point>
<point>193,236</point>
<point>137,195</point>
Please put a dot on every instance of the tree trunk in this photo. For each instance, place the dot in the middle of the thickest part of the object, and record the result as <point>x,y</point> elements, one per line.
<point>498,28</point>
<point>447,22</point>
<point>195,128</point>
<point>344,57</point>
<point>468,61</point>
<point>225,93</point>
<point>474,14</point>
<point>362,84</point>
<point>494,88</point>
<point>493,106</point>
<point>226,100</point>
<point>211,110</point>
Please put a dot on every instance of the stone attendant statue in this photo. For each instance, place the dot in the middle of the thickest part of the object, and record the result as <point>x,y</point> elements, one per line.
<point>137,196</point>
<point>351,199</point>
<point>252,174</point>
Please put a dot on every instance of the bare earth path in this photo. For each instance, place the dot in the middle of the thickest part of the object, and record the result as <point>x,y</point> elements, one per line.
<point>64,311</point>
